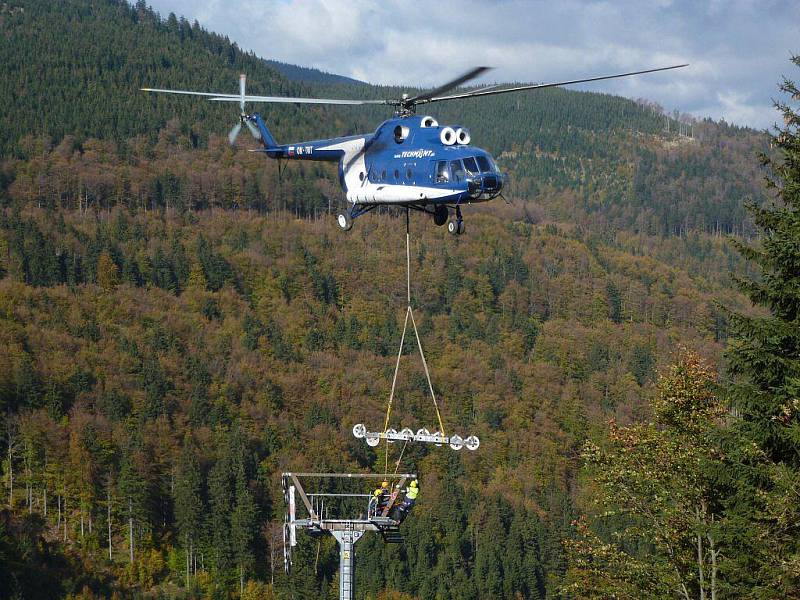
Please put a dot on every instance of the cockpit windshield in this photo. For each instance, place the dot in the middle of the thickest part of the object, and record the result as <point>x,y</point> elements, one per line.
<point>471,166</point>
<point>485,164</point>
<point>459,170</point>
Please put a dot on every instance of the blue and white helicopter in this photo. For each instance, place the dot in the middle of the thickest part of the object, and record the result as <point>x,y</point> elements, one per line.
<point>410,161</point>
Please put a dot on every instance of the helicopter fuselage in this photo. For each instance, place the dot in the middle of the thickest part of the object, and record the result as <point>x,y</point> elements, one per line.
<point>408,160</point>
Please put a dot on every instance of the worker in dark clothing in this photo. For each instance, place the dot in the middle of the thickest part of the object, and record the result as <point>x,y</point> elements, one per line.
<point>380,497</point>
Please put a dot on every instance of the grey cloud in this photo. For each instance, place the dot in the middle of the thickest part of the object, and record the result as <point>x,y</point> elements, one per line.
<point>738,48</point>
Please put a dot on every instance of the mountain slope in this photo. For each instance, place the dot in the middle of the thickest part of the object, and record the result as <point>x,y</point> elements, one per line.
<point>308,75</point>
<point>255,343</point>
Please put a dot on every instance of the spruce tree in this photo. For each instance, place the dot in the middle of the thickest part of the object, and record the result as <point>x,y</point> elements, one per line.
<point>764,358</point>
<point>189,501</point>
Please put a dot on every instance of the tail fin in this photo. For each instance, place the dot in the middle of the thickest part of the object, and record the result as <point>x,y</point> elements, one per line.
<point>266,137</point>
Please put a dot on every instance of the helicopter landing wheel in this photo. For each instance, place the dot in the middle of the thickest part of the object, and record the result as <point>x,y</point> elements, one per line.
<point>455,226</point>
<point>440,214</point>
<point>345,221</point>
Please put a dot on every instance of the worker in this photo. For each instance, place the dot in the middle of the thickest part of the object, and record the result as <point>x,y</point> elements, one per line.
<point>400,512</point>
<point>380,497</point>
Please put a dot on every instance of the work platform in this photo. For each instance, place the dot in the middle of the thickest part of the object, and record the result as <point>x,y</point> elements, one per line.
<point>346,515</point>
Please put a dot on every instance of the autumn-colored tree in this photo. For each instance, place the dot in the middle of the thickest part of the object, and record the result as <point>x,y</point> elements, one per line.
<point>107,271</point>
<point>655,500</point>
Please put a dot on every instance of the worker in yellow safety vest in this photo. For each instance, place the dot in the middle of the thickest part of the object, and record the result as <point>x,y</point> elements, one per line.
<point>401,510</point>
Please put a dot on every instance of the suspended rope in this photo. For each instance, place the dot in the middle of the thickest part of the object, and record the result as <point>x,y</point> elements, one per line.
<point>406,435</point>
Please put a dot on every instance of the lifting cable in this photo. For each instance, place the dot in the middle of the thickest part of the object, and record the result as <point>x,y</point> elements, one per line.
<point>409,314</point>
<point>440,438</point>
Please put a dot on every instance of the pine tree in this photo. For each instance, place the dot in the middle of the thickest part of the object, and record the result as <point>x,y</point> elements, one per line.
<point>221,505</point>
<point>243,525</point>
<point>188,501</point>
<point>764,357</point>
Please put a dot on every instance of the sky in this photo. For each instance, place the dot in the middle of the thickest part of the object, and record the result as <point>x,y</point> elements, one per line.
<point>738,50</point>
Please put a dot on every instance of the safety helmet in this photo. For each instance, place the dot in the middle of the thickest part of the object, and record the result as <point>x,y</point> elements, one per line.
<point>385,484</point>
<point>413,483</point>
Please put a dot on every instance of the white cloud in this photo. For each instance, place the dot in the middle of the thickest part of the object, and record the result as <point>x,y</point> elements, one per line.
<point>737,48</point>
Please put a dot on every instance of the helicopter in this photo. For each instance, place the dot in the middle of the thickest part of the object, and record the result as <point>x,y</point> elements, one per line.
<point>409,160</point>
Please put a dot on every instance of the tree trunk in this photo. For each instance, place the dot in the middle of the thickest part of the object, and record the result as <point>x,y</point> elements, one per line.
<point>714,552</point>
<point>188,561</point>
<point>10,472</point>
<point>44,500</point>
<point>701,519</point>
<point>130,526</point>
<point>271,555</point>
<point>700,570</point>
<point>65,517</point>
<point>108,518</point>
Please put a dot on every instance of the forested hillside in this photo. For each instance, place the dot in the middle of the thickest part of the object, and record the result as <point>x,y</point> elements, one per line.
<point>75,68</point>
<point>214,351</point>
<point>179,325</point>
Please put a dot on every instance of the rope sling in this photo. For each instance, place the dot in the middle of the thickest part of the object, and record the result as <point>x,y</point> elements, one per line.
<point>406,435</point>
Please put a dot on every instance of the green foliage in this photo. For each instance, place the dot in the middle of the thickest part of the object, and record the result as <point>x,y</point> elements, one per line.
<point>764,359</point>
<point>654,488</point>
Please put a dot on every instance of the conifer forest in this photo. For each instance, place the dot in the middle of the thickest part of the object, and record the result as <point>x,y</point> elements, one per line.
<point>180,323</point>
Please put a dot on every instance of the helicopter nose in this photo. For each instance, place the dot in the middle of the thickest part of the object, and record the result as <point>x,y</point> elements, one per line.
<point>493,183</point>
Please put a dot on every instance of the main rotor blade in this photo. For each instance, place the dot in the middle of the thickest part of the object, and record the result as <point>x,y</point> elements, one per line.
<point>290,100</point>
<point>539,86</point>
<point>277,99</point>
<point>469,75</point>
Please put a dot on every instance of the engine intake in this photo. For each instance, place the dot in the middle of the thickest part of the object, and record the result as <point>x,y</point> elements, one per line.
<point>448,136</point>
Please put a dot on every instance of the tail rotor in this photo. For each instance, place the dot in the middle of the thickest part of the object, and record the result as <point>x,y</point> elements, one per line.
<point>244,118</point>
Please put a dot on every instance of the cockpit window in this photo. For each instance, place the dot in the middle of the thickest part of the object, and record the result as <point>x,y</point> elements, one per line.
<point>456,170</point>
<point>484,164</point>
<point>471,166</point>
<point>442,174</point>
